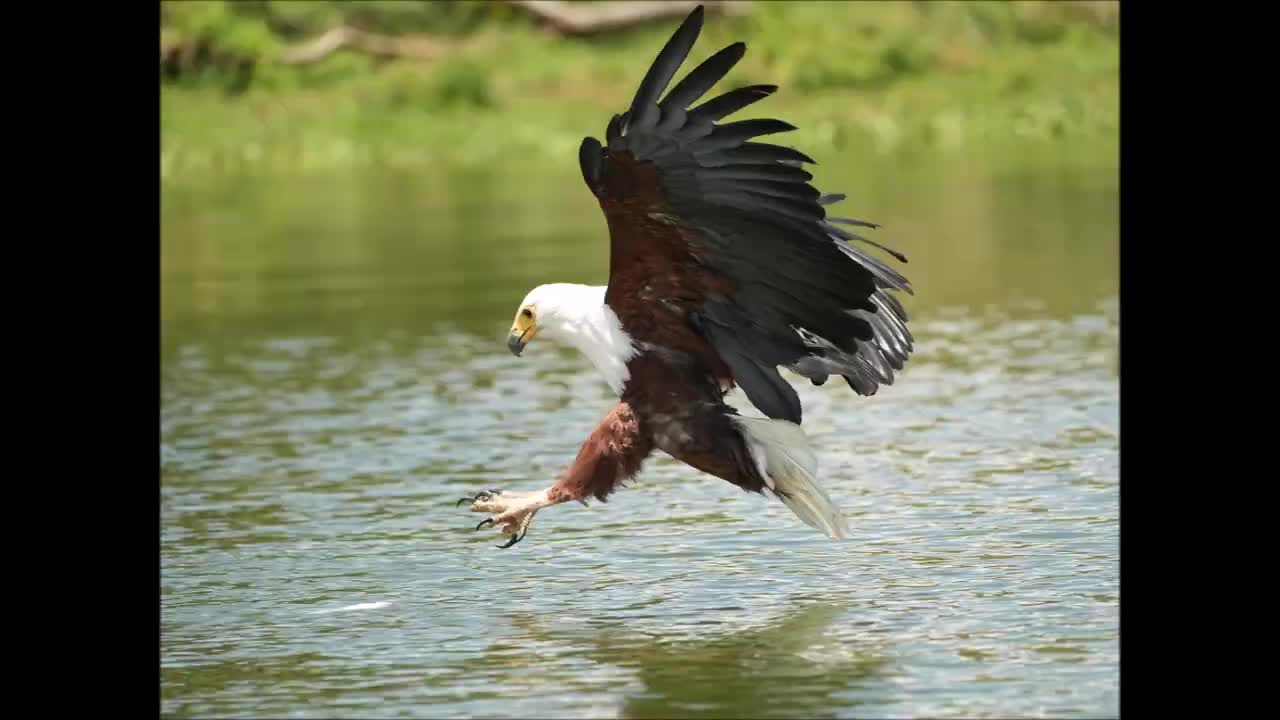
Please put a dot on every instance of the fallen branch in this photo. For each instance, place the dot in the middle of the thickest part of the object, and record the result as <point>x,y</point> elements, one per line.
<point>414,47</point>
<point>582,19</point>
<point>563,17</point>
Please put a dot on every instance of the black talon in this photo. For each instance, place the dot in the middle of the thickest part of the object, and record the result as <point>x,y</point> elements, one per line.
<point>515,539</point>
<point>482,495</point>
<point>486,521</point>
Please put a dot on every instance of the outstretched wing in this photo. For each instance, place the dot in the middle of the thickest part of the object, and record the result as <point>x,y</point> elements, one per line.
<point>720,244</point>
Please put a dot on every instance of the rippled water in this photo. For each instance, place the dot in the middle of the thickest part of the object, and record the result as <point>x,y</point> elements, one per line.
<point>333,380</point>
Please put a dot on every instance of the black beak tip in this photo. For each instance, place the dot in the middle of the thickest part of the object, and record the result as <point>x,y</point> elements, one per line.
<point>514,345</point>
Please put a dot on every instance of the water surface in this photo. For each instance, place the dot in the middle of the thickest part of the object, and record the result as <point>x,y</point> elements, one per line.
<point>334,376</point>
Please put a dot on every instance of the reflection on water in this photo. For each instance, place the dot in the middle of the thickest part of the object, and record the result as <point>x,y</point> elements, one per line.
<point>785,666</point>
<point>334,376</point>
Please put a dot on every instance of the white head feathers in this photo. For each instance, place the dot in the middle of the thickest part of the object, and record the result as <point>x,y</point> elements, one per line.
<point>577,315</point>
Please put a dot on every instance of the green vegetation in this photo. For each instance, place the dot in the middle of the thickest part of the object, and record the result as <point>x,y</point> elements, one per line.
<point>888,77</point>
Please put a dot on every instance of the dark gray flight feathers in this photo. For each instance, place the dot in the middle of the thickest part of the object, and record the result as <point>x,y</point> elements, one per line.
<point>806,298</point>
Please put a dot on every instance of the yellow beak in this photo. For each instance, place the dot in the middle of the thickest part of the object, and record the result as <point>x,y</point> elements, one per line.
<point>522,331</point>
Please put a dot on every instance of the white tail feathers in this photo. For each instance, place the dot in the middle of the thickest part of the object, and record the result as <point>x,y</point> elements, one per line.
<point>782,454</point>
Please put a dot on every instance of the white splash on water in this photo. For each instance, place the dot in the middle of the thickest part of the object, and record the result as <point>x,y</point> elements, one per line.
<point>357,606</point>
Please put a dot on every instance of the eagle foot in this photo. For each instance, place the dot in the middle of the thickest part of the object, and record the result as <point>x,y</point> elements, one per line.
<point>515,511</point>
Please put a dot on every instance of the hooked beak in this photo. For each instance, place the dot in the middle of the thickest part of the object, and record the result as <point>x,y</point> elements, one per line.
<point>522,331</point>
<point>515,342</point>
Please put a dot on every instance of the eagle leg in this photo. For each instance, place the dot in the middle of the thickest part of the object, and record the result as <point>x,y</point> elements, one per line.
<point>611,454</point>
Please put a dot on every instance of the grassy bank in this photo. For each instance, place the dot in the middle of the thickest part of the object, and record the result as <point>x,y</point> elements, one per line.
<point>879,77</point>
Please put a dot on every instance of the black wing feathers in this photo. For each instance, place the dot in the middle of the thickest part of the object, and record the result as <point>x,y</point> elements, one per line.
<point>730,102</point>
<point>799,192</point>
<point>591,160</point>
<point>704,77</point>
<point>774,173</point>
<point>758,377</point>
<point>731,135</point>
<point>805,297</point>
<point>751,154</point>
<point>644,108</point>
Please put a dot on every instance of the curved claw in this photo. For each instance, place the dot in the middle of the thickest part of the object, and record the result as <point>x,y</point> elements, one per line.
<point>482,495</point>
<point>514,539</point>
<point>486,521</point>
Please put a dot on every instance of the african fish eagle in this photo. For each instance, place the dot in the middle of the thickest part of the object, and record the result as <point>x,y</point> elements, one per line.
<point>723,267</point>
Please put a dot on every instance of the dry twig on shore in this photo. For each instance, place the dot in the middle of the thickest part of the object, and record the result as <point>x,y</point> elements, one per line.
<point>581,19</point>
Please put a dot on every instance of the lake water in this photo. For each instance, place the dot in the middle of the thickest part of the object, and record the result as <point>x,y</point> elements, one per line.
<point>335,377</point>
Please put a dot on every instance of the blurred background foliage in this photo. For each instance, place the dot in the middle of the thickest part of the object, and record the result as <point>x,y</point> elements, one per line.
<point>476,80</point>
